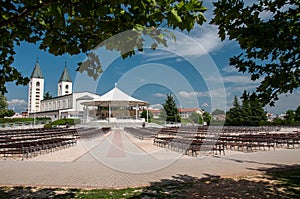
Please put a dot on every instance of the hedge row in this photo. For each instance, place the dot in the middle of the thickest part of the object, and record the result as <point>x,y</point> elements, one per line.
<point>62,122</point>
<point>24,120</point>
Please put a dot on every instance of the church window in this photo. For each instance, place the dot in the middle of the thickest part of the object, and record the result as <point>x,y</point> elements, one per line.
<point>37,84</point>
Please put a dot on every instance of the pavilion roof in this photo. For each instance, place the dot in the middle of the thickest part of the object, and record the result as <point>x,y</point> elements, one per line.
<point>116,97</point>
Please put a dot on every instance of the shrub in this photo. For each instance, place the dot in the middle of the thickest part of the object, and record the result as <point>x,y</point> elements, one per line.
<point>63,122</point>
<point>48,126</point>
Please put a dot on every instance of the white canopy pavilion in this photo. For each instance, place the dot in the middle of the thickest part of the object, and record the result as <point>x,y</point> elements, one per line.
<point>116,104</point>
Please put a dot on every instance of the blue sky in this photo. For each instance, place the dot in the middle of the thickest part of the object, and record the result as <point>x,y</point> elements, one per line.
<point>194,69</point>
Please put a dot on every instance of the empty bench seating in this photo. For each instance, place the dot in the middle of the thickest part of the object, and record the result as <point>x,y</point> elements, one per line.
<point>142,133</point>
<point>90,133</point>
<point>27,143</point>
<point>190,142</point>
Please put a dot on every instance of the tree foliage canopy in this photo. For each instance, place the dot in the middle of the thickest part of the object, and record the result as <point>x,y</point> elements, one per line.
<point>47,95</point>
<point>268,32</point>
<point>75,27</point>
<point>4,111</point>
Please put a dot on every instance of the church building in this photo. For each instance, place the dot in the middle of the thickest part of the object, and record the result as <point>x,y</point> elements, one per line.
<point>67,104</point>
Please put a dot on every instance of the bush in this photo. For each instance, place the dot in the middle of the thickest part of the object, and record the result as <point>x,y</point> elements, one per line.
<point>48,126</point>
<point>65,121</point>
<point>24,120</point>
<point>62,122</point>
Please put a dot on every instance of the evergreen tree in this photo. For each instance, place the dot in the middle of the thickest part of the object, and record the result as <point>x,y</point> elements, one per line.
<point>250,113</point>
<point>172,114</point>
<point>258,113</point>
<point>246,113</point>
<point>234,116</point>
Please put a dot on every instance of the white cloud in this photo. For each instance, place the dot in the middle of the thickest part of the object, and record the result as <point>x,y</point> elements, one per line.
<point>230,69</point>
<point>200,41</point>
<point>156,106</point>
<point>204,105</point>
<point>185,94</point>
<point>217,93</point>
<point>159,95</point>
<point>17,102</point>
<point>240,79</point>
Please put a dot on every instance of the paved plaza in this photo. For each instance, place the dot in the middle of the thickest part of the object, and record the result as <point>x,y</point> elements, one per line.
<point>118,160</point>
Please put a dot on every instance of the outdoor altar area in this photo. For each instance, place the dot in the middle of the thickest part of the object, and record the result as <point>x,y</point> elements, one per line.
<point>115,108</point>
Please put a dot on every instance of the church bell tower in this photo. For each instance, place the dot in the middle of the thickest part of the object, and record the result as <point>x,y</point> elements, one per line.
<point>64,83</point>
<point>35,89</point>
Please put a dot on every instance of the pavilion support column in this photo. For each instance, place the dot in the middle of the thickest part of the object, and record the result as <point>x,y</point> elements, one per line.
<point>87,113</point>
<point>147,114</point>
<point>136,112</point>
<point>109,112</point>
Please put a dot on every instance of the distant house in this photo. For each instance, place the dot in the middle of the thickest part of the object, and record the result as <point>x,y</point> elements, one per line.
<point>219,117</point>
<point>184,112</point>
<point>155,113</point>
<point>187,112</point>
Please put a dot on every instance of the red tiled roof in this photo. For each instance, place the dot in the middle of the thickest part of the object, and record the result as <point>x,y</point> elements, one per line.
<point>187,110</point>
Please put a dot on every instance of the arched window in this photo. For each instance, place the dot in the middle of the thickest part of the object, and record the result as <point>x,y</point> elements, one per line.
<point>37,84</point>
<point>67,87</point>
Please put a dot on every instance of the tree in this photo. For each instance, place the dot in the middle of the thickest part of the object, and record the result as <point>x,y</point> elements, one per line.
<point>171,110</point>
<point>207,117</point>
<point>144,115</point>
<point>75,27</point>
<point>234,116</point>
<point>218,112</point>
<point>4,111</point>
<point>47,95</point>
<point>268,33</point>
<point>297,114</point>
<point>246,112</point>
<point>289,117</point>
<point>250,113</point>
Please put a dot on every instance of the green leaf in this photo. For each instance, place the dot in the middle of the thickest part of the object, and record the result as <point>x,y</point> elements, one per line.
<point>176,16</point>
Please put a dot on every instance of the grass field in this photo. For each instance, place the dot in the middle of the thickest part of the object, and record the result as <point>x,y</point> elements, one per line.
<point>273,183</point>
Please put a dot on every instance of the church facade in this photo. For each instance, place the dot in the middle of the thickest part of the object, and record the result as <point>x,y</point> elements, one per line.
<point>66,105</point>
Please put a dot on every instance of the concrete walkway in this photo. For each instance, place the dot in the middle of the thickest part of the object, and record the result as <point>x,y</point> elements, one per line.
<point>118,160</point>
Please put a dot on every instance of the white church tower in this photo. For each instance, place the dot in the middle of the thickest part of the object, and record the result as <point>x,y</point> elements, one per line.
<point>64,83</point>
<point>36,89</point>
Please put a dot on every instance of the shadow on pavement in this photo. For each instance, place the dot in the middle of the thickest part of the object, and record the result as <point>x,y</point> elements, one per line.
<point>275,182</point>
<point>278,182</point>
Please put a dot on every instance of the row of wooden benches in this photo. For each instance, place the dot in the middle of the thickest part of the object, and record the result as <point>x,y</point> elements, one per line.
<point>142,133</point>
<point>90,133</point>
<point>251,142</point>
<point>218,143</point>
<point>223,129</point>
<point>29,143</point>
<point>192,147</point>
<point>193,142</point>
